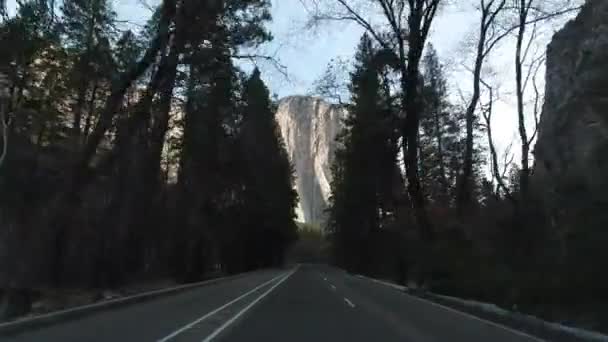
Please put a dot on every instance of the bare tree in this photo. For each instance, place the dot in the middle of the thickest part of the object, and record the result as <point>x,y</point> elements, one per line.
<point>332,84</point>
<point>489,36</point>
<point>499,177</point>
<point>529,15</point>
<point>495,26</point>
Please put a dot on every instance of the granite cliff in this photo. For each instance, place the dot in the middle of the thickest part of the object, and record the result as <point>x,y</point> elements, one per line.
<point>309,127</point>
<point>572,149</point>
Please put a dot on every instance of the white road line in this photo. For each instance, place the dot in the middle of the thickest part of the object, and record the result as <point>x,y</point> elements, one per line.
<point>497,325</point>
<point>386,283</point>
<point>349,302</point>
<point>324,278</point>
<point>513,331</point>
<point>242,312</point>
<point>109,303</point>
<point>332,287</point>
<point>190,325</point>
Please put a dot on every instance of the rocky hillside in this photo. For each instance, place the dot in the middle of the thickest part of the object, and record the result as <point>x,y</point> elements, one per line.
<point>309,127</point>
<point>572,149</point>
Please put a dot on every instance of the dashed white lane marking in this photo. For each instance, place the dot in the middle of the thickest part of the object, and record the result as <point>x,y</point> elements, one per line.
<point>349,302</point>
<point>324,278</point>
<point>240,313</point>
<point>190,325</point>
<point>332,287</point>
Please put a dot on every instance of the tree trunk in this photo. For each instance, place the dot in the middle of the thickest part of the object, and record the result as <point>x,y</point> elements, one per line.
<point>493,154</point>
<point>83,76</point>
<point>465,183</point>
<point>77,123</point>
<point>91,113</point>
<point>119,88</point>
<point>525,145</point>
<point>64,205</point>
<point>412,123</point>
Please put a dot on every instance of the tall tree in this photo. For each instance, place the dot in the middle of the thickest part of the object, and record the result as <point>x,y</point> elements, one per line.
<point>529,16</point>
<point>209,180</point>
<point>489,37</point>
<point>88,26</point>
<point>269,197</point>
<point>416,18</point>
<point>434,124</point>
<point>211,91</point>
<point>358,192</point>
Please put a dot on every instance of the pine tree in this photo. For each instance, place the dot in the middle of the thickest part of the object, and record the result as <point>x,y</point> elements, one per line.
<point>357,186</point>
<point>269,197</point>
<point>210,180</point>
<point>211,89</point>
<point>441,138</point>
<point>433,124</point>
<point>128,50</point>
<point>88,28</point>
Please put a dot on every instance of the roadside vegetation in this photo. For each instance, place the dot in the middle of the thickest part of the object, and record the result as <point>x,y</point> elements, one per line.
<point>135,155</point>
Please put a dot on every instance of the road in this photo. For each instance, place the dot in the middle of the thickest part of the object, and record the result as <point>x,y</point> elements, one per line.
<point>306,303</point>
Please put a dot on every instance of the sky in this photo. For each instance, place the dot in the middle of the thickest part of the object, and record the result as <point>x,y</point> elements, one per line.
<point>306,53</point>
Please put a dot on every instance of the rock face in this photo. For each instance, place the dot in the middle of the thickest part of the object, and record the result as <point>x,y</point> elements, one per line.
<point>309,127</point>
<point>572,149</point>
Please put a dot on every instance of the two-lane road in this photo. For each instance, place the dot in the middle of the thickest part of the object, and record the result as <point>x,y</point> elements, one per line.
<point>307,303</point>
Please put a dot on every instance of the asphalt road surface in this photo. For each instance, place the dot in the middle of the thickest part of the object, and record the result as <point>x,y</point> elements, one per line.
<point>305,303</point>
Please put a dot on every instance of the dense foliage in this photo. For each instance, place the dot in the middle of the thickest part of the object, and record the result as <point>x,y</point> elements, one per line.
<point>503,249</point>
<point>136,155</point>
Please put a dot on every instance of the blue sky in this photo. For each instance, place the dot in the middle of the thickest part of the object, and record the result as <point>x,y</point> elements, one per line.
<point>306,53</point>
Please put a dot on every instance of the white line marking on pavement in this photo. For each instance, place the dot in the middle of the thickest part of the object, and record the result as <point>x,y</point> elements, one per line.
<point>349,302</point>
<point>242,312</point>
<point>324,278</point>
<point>108,303</point>
<point>190,325</point>
<point>402,288</point>
<point>513,331</point>
<point>386,283</point>
<point>332,287</point>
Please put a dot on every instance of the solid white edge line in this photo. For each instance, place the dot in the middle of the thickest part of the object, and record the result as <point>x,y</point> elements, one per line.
<point>511,330</point>
<point>497,325</point>
<point>349,302</point>
<point>386,283</point>
<point>104,303</point>
<point>223,327</point>
<point>332,287</point>
<point>209,314</point>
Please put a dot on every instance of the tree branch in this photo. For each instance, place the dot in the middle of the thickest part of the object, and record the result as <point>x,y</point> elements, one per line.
<point>363,23</point>
<point>281,68</point>
<point>487,115</point>
<point>546,16</point>
<point>536,108</point>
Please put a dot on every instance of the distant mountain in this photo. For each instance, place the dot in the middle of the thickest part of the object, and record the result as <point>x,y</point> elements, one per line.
<point>309,126</point>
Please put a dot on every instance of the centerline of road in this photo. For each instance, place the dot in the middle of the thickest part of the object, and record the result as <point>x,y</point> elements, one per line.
<point>333,287</point>
<point>351,304</point>
<point>281,278</point>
